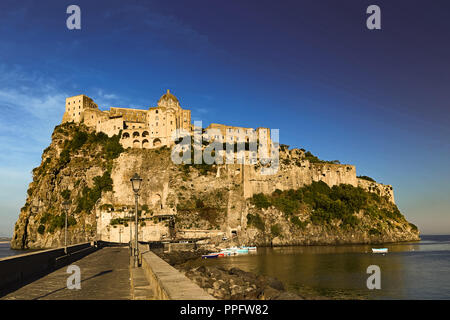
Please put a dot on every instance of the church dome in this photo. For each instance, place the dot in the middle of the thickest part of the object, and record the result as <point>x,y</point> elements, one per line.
<point>168,97</point>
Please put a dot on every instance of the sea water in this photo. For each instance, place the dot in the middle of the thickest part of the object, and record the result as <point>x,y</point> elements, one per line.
<point>414,270</point>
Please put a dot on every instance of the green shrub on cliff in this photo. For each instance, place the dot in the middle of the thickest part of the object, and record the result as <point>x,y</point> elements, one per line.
<point>90,196</point>
<point>366,178</point>
<point>326,204</point>
<point>260,201</point>
<point>255,221</point>
<point>41,229</point>
<point>59,222</point>
<point>313,159</point>
<point>275,230</point>
<point>298,223</point>
<point>81,138</point>
<point>65,194</point>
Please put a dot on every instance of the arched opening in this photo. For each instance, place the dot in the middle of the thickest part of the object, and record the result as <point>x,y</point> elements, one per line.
<point>156,142</point>
<point>135,134</point>
<point>136,144</point>
<point>145,143</point>
<point>145,134</point>
<point>126,135</point>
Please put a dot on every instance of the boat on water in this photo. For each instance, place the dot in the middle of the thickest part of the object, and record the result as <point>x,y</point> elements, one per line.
<point>231,251</point>
<point>379,250</point>
<point>211,255</point>
<point>214,255</point>
<point>228,252</point>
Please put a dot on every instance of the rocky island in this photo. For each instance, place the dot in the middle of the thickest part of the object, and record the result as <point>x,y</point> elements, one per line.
<point>307,201</point>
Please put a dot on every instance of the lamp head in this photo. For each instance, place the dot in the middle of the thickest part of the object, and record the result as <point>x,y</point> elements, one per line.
<point>136,182</point>
<point>66,205</point>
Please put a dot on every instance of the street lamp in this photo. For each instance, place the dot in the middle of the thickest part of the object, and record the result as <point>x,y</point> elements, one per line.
<point>66,206</point>
<point>136,185</point>
<point>131,243</point>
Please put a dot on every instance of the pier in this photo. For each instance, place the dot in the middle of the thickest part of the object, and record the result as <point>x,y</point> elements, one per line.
<point>106,273</point>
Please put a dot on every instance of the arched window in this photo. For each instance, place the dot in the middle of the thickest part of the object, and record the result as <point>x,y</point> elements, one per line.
<point>156,142</point>
<point>136,144</point>
<point>145,134</point>
<point>126,135</point>
<point>145,143</point>
<point>135,134</point>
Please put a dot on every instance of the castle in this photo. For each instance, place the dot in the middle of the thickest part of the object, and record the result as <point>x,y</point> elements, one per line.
<point>150,128</point>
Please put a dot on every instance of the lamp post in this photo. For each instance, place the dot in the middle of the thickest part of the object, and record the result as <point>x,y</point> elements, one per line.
<point>131,244</point>
<point>98,215</point>
<point>136,185</point>
<point>66,205</point>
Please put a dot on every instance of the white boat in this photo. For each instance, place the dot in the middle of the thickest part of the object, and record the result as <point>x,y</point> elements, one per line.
<point>379,250</point>
<point>228,252</point>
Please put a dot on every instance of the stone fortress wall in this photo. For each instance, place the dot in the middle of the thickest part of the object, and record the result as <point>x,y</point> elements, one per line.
<point>296,172</point>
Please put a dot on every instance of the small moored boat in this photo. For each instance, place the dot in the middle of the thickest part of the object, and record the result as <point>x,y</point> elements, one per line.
<point>379,250</point>
<point>211,255</point>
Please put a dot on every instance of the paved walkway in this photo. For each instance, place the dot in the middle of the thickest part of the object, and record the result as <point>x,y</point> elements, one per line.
<point>105,274</point>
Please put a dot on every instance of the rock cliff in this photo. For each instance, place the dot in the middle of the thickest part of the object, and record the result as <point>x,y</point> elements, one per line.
<point>92,172</point>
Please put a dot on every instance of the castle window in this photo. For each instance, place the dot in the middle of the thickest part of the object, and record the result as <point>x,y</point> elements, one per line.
<point>156,111</point>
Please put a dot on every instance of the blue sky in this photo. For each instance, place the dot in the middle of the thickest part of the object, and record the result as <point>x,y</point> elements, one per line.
<point>375,99</point>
